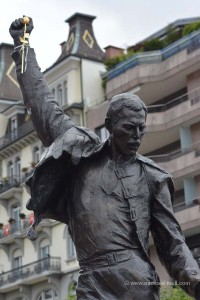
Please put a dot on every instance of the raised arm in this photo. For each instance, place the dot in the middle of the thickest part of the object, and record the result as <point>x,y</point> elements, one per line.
<point>48,118</point>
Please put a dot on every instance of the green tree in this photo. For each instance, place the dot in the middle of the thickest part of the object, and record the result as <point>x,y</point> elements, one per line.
<point>174,293</point>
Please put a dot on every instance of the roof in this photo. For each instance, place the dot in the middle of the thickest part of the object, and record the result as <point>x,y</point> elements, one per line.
<point>175,24</point>
<point>79,15</point>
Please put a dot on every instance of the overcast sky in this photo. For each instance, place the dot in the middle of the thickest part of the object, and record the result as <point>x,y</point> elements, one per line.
<point>119,23</point>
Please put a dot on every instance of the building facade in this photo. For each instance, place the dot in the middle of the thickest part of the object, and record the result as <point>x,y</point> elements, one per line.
<point>46,268</point>
<point>168,81</point>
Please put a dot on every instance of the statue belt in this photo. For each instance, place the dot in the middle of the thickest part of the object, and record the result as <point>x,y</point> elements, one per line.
<point>110,259</point>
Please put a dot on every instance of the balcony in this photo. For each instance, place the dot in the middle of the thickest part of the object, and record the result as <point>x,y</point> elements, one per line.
<point>166,106</point>
<point>8,183</point>
<point>152,74</point>
<point>190,42</point>
<point>182,162</point>
<point>188,216</point>
<point>15,229</point>
<point>174,113</point>
<point>13,139</point>
<point>16,134</point>
<point>30,273</point>
<point>10,187</point>
<point>182,205</point>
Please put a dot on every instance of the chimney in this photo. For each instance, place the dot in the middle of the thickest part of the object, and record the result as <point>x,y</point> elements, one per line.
<point>112,51</point>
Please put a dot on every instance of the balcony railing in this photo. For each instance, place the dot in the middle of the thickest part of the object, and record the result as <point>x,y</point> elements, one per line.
<point>173,155</point>
<point>20,227</point>
<point>193,97</point>
<point>16,134</point>
<point>48,264</point>
<point>190,42</point>
<point>183,205</point>
<point>7,183</point>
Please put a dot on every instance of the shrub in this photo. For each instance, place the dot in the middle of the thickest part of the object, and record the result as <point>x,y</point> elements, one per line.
<point>190,28</point>
<point>151,45</point>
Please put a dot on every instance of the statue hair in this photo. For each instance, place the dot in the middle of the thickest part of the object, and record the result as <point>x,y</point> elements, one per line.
<point>121,101</point>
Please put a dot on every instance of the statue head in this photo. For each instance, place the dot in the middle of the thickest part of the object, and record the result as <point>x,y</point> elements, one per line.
<point>125,121</point>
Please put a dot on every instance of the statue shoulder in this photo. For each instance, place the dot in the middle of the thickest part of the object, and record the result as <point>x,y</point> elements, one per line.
<point>89,133</point>
<point>156,174</point>
<point>77,142</point>
<point>151,164</point>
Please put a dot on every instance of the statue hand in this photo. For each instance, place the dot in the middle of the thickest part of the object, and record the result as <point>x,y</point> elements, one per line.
<point>17,29</point>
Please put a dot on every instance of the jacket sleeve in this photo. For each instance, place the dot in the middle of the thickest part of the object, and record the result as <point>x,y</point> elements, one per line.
<point>172,250</point>
<point>48,118</point>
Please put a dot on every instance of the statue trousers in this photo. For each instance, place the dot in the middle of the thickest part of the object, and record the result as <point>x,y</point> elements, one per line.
<point>122,275</point>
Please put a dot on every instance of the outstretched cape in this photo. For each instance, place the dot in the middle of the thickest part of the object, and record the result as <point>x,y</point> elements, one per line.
<point>48,185</point>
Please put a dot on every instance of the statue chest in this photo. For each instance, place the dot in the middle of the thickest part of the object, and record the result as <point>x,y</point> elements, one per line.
<point>102,189</point>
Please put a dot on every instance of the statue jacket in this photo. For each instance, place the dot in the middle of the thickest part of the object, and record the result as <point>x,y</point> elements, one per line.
<point>66,146</point>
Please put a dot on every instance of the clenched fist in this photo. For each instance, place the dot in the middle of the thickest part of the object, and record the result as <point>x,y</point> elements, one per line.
<point>17,29</point>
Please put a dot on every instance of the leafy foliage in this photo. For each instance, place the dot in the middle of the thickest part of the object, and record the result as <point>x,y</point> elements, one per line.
<point>174,293</point>
<point>154,44</point>
<point>72,291</point>
<point>191,27</point>
<point>112,62</point>
<point>172,35</point>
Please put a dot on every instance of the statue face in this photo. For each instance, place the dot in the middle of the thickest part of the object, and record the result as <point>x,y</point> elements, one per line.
<point>128,131</point>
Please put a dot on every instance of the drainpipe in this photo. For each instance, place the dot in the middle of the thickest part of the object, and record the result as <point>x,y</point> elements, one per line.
<point>82,100</point>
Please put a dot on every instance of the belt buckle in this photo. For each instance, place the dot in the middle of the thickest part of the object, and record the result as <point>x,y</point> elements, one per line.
<point>111,259</point>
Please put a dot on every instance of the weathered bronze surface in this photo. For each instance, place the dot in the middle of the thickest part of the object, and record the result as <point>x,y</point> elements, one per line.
<point>110,196</point>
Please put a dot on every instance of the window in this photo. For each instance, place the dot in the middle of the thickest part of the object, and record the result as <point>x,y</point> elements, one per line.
<point>36,154</point>
<point>17,262</point>
<point>44,255</point>
<point>10,169</point>
<point>15,211</point>
<point>17,168</point>
<point>48,295</point>
<point>44,252</point>
<point>44,249</point>
<point>13,127</point>
<point>65,92</point>
<point>17,259</point>
<point>103,133</point>
<point>60,94</point>
<point>71,252</point>
<point>53,92</point>
<point>0,168</point>
<point>14,170</point>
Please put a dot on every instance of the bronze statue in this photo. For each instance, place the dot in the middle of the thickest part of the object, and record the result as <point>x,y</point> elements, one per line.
<point>110,196</point>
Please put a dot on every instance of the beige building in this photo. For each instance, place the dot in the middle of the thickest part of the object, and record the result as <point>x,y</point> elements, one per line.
<point>46,268</point>
<point>168,80</point>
